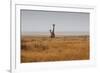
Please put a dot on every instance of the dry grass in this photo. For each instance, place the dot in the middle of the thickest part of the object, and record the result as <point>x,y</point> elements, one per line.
<point>40,49</point>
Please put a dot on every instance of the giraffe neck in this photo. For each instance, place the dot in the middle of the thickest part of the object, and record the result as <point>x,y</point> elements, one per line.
<point>53,29</point>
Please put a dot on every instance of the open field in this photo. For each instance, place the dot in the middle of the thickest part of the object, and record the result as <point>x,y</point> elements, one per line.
<point>40,49</point>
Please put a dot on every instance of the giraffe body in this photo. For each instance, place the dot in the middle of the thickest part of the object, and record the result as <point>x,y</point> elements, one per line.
<point>52,32</point>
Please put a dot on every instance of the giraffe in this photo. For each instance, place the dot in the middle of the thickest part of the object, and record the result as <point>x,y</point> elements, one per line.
<point>52,32</point>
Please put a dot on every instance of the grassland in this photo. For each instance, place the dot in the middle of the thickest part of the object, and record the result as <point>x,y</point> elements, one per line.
<point>42,49</point>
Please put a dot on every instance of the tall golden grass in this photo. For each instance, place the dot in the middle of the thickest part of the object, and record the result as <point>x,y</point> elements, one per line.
<point>42,49</point>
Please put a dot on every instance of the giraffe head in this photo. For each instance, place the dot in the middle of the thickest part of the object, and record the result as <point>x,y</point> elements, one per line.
<point>53,25</point>
<point>50,30</point>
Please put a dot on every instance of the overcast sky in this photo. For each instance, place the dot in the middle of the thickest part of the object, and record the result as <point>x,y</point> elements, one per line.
<point>41,21</point>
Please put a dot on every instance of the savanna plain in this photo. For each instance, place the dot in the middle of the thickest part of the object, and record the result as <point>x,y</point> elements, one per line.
<point>63,48</point>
